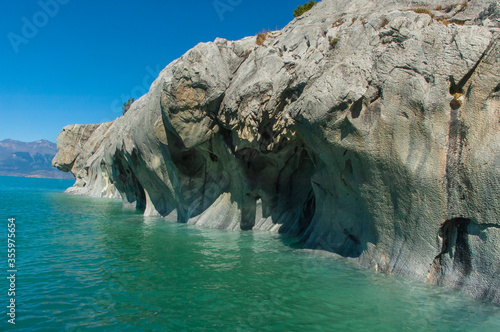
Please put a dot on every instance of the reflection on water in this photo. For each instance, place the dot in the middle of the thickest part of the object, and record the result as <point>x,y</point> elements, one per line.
<point>87,263</point>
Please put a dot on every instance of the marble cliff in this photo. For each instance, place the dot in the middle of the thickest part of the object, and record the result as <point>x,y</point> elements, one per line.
<point>370,129</point>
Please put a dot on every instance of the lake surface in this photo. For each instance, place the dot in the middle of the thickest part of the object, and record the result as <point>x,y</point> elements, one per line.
<point>88,264</point>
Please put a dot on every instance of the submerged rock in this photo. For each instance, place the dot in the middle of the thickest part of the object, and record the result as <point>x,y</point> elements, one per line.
<point>368,128</point>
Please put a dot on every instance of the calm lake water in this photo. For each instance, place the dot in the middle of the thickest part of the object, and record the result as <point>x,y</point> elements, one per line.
<point>87,264</point>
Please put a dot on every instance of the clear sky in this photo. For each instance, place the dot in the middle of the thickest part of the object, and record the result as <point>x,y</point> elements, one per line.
<point>76,61</point>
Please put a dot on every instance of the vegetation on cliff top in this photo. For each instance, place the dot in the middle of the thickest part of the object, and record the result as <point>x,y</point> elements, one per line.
<point>301,9</point>
<point>127,105</point>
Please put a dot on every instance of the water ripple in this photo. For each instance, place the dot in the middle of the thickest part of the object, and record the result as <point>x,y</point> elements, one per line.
<point>87,264</point>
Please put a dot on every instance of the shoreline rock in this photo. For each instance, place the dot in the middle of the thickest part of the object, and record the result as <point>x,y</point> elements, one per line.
<point>383,146</point>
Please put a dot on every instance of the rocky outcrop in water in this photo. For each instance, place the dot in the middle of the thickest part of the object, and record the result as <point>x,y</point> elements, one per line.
<point>370,129</point>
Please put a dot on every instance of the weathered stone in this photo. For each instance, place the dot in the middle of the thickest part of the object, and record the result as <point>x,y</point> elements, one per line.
<point>358,147</point>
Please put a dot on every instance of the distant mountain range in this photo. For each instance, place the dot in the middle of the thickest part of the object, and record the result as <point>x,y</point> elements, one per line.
<point>33,159</point>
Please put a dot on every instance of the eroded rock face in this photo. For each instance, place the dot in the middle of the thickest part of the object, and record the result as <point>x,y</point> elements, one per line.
<point>365,127</point>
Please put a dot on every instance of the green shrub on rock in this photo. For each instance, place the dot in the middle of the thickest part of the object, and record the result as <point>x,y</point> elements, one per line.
<point>127,105</point>
<point>301,9</point>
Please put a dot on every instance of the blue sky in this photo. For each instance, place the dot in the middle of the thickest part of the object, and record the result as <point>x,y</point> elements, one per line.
<point>76,61</point>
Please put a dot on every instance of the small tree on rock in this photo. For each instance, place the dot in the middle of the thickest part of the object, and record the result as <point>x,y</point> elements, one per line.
<point>127,105</point>
<point>301,9</point>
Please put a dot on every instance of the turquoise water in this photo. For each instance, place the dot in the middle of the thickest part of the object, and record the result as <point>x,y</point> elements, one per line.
<point>87,264</point>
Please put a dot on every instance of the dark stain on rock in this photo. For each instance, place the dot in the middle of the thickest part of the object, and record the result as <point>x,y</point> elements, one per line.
<point>339,108</point>
<point>454,234</point>
<point>307,214</point>
<point>352,237</point>
<point>462,260</point>
<point>497,88</point>
<point>356,108</point>
<point>347,174</point>
<point>346,129</point>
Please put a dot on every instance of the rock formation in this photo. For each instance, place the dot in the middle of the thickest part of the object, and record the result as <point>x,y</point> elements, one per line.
<point>370,129</point>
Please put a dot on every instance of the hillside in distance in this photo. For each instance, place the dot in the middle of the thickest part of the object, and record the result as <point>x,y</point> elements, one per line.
<point>29,159</point>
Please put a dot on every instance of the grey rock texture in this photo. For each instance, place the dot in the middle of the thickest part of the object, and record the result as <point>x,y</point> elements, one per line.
<point>368,128</point>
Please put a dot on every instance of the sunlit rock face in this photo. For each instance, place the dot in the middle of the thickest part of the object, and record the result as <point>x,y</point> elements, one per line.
<point>370,129</point>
